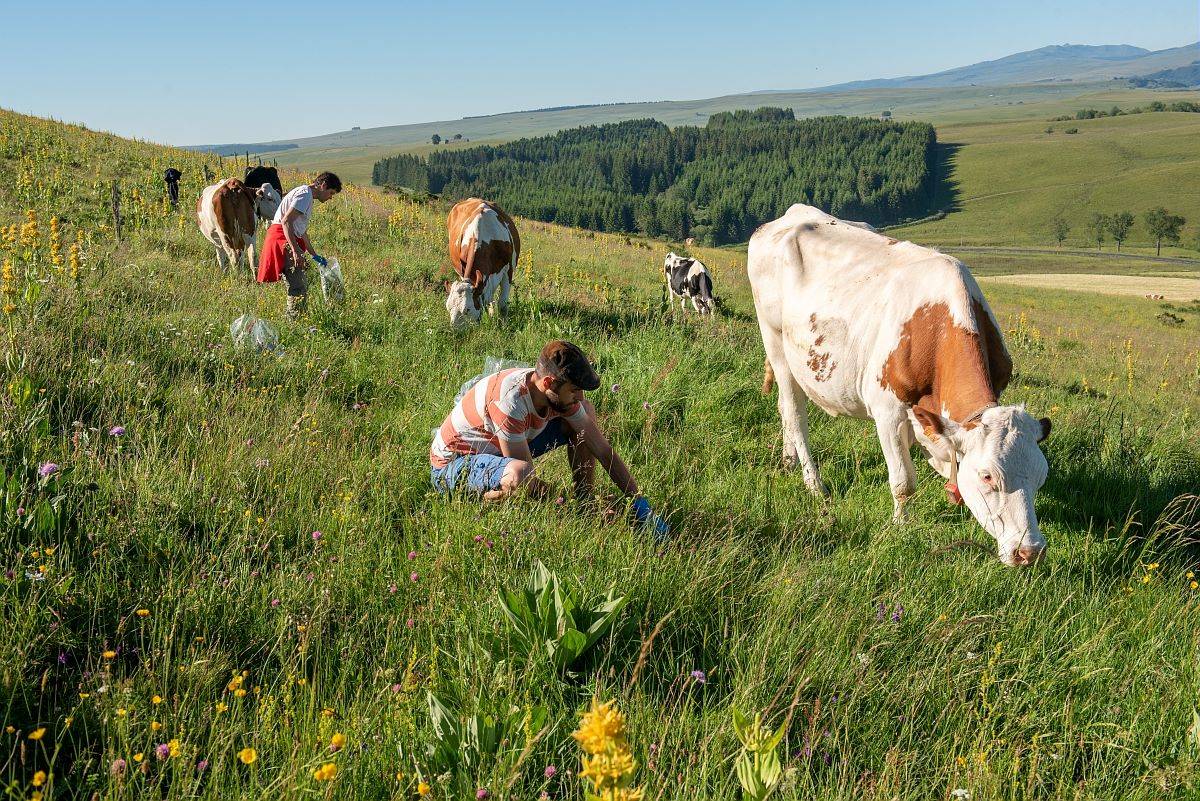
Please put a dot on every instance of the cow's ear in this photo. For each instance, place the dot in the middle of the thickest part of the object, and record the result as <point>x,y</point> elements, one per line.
<point>932,424</point>
<point>1045,421</point>
<point>446,284</point>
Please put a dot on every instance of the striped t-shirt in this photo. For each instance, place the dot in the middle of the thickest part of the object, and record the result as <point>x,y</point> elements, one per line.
<point>497,407</point>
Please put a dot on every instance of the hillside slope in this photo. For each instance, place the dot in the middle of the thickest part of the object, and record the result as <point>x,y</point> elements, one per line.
<point>1009,179</point>
<point>235,581</point>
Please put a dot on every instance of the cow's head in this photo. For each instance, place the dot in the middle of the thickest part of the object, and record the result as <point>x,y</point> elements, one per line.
<point>460,302</point>
<point>266,201</point>
<point>1000,469</point>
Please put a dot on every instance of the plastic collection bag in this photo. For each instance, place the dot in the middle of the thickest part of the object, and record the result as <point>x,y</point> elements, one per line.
<point>490,365</point>
<point>332,285</point>
<point>251,331</point>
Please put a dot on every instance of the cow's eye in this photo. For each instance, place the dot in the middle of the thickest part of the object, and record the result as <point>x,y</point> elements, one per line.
<point>986,478</point>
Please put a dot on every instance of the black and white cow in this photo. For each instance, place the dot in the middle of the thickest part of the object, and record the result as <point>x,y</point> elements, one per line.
<point>689,279</point>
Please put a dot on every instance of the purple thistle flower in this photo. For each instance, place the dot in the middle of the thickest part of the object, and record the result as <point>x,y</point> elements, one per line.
<point>897,613</point>
<point>202,766</point>
<point>47,469</point>
<point>550,771</point>
<point>412,555</point>
<point>478,538</point>
<point>117,768</point>
<point>699,676</point>
<point>645,406</point>
<point>316,535</point>
<point>880,611</point>
<point>392,589</point>
<point>615,388</point>
<point>410,623</point>
<point>116,431</point>
<point>482,793</point>
<point>162,751</point>
<point>274,602</point>
<point>413,577</point>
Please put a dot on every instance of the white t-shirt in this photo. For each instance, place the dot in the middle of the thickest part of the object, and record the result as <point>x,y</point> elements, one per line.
<point>300,199</point>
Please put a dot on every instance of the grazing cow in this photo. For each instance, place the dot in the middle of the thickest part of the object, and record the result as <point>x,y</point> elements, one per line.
<point>226,214</point>
<point>689,279</point>
<point>484,249</point>
<point>870,327</point>
<point>257,176</point>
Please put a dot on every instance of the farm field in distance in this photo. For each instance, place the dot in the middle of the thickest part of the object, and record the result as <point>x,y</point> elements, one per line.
<point>255,564</point>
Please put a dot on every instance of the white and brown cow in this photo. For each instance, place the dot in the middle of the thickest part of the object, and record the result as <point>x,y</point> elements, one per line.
<point>484,249</point>
<point>866,326</point>
<point>226,213</point>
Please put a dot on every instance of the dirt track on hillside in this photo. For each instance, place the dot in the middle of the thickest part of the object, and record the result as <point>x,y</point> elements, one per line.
<point>1174,287</point>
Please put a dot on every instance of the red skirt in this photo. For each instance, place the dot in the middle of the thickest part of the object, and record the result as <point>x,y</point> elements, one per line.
<point>274,254</point>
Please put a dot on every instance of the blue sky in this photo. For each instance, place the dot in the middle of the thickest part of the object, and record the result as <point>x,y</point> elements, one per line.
<point>252,71</point>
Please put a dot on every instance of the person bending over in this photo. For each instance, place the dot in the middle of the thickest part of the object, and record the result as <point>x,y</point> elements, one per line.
<point>487,445</point>
<point>287,240</point>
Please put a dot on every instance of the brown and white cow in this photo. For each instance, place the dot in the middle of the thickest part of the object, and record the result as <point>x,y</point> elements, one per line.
<point>484,249</point>
<point>866,326</point>
<point>226,213</point>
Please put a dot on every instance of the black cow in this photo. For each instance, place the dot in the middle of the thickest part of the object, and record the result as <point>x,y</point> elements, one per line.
<point>257,176</point>
<point>689,280</point>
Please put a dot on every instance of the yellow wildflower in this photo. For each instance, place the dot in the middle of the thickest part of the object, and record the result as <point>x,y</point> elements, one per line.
<point>37,796</point>
<point>155,725</point>
<point>121,712</point>
<point>49,552</point>
<point>156,700</point>
<point>85,696</point>
<point>1146,579</point>
<point>326,772</point>
<point>337,742</point>
<point>247,755</point>
<point>400,776</point>
<point>37,734</point>
<point>239,692</point>
<point>221,707</point>
<point>10,729</point>
<point>39,778</point>
<point>606,769</point>
<point>143,613</point>
<point>326,712</point>
<point>601,726</point>
<point>423,788</point>
<point>139,756</point>
<point>174,747</point>
<point>109,654</point>
<point>1194,585</point>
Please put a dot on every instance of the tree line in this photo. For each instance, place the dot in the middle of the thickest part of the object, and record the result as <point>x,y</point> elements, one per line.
<point>1160,224</point>
<point>717,183</point>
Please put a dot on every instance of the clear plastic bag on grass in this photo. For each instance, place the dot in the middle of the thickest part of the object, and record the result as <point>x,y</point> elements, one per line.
<point>332,285</point>
<point>250,331</point>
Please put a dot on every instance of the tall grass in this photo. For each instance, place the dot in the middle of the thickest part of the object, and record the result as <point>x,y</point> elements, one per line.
<point>911,666</point>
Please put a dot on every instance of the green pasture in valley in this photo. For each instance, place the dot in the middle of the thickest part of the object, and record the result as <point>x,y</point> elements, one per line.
<point>238,583</point>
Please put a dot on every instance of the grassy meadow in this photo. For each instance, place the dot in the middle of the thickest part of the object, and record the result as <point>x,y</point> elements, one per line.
<point>238,575</point>
<point>1010,178</point>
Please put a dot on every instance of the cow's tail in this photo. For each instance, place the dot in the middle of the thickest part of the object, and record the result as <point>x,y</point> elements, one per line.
<point>768,376</point>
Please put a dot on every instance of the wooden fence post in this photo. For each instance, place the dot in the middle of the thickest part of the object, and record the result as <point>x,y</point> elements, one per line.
<point>116,209</point>
<point>208,176</point>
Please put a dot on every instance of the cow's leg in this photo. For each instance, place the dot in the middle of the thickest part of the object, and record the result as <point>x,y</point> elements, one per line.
<point>793,412</point>
<point>696,306</point>
<point>505,288</point>
<point>222,258</point>
<point>895,437</point>
<point>250,260</point>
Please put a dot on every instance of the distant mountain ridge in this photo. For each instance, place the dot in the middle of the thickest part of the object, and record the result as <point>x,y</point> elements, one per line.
<point>1052,65</point>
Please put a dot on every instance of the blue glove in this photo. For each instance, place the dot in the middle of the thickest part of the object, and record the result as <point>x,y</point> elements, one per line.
<point>321,260</point>
<point>645,516</point>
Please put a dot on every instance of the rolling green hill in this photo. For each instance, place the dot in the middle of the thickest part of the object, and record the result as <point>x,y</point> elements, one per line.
<point>1010,178</point>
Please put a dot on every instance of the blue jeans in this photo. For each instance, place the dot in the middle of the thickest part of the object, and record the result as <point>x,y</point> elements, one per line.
<point>482,472</point>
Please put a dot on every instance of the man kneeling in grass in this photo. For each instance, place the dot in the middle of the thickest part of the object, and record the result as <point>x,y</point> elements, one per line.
<point>505,420</point>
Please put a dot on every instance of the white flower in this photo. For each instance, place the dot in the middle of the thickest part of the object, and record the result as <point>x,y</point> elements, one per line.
<point>960,793</point>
